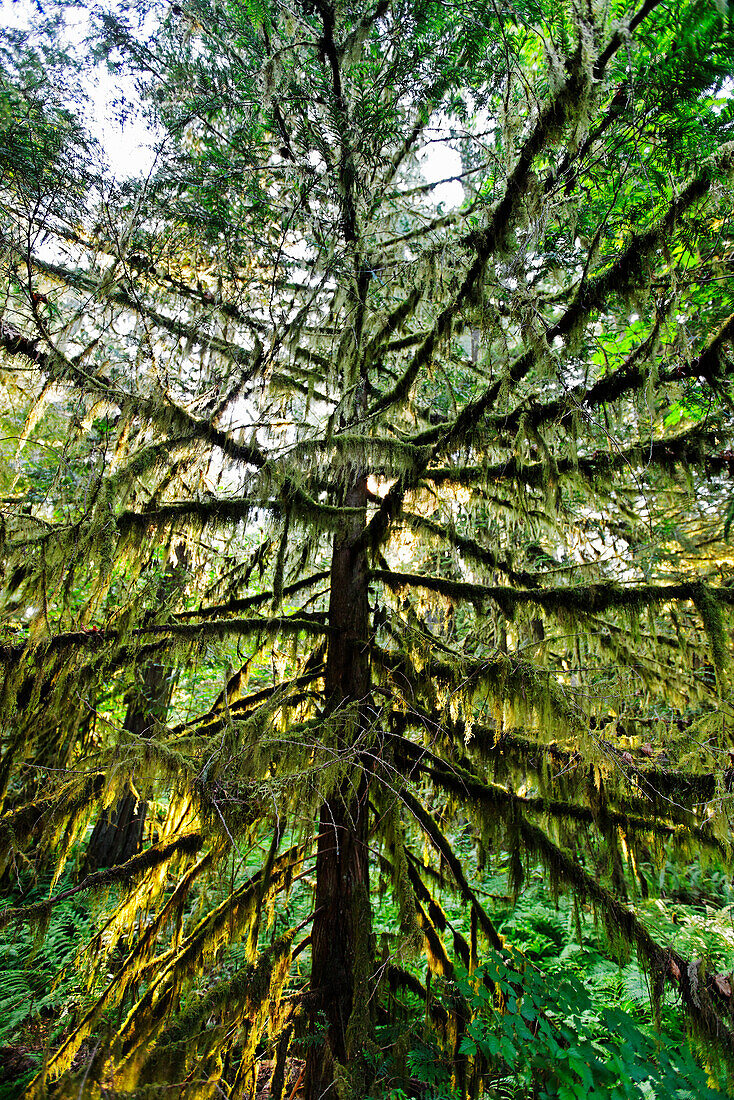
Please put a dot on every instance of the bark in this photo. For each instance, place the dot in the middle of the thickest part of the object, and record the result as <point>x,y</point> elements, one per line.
<point>118,833</point>
<point>341,935</point>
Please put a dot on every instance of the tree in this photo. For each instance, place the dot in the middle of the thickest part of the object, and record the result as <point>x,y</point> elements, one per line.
<point>453,479</point>
<point>118,832</point>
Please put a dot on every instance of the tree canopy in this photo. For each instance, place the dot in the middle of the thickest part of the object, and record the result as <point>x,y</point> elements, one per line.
<point>334,514</point>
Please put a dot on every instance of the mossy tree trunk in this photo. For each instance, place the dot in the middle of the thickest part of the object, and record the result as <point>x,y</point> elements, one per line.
<point>118,833</point>
<point>341,930</point>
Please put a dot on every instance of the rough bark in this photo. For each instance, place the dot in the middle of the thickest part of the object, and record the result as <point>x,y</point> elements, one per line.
<point>341,932</point>
<point>118,833</point>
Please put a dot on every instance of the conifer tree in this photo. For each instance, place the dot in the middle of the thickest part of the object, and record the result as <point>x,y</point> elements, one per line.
<point>449,480</point>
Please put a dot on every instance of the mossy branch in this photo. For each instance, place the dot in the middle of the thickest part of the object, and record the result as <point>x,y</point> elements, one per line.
<point>248,602</point>
<point>469,548</point>
<point>26,822</point>
<point>623,926</point>
<point>442,846</point>
<point>569,600</point>
<point>549,122</point>
<point>693,447</point>
<point>155,856</point>
<point>630,376</point>
<point>492,797</point>
<point>127,973</point>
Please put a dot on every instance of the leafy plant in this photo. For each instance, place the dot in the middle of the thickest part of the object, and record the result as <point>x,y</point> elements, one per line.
<point>527,1034</point>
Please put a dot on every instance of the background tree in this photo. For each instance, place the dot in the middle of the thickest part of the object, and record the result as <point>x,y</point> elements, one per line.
<point>450,483</point>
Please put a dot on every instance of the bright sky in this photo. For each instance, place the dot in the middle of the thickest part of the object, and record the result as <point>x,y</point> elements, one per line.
<point>128,147</point>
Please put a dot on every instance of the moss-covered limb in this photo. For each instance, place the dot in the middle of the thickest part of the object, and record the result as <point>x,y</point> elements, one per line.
<point>309,355</point>
<point>230,918</point>
<point>632,375</point>
<point>428,873</point>
<point>167,972</point>
<point>394,321</point>
<point>455,590</point>
<point>647,793</point>
<point>225,512</point>
<point>238,1002</point>
<point>582,599</point>
<point>709,608</point>
<point>301,623</point>
<point>197,514</point>
<point>441,221</point>
<point>145,265</point>
<point>624,927</point>
<point>549,122</point>
<point>628,270</point>
<point>562,174</point>
<point>211,722</point>
<point>166,415</point>
<point>620,35</point>
<point>624,274</point>
<point>710,363</point>
<point>381,453</point>
<point>14,342</point>
<point>692,447</point>
<point>92,655</point>
<point>670,788</point>
<point>402,979</point>
<point>25,823</point>
<point>174,325</point>
<point>282,382</point>
<point>410,341</point>
<point>663,792</point>
<point>99,640</point>
<point>442,846</point>
<point>128,972</point>
<point>491,743</point>
<point>508,681</point>
<point>415,868</point>
<point>469,548</point>
<point>157,455</point>
<point>459,780</point>
<point>438,958</point>
<point>420,891</point>
<point>155,856</point>
<point>201,297</point>
<point>442,439</point>
<point>248,602</point>
<point>392,832</point>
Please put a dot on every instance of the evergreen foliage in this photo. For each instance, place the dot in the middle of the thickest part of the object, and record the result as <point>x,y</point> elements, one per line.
<point>334,515</point>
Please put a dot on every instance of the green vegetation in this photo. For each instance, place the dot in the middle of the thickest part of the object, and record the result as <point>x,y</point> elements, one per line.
<point>366,609</point>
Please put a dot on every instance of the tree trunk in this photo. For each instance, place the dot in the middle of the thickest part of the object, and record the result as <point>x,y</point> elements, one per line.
<point>341,935</point>
<point>118,834</point>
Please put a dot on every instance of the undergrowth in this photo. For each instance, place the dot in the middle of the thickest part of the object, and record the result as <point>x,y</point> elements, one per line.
<point>557,1016</point>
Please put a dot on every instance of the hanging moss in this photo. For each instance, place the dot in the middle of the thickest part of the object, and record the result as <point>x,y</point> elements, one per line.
<point>148,1015</point>
<point>127,975</point>
<point>713,622</point>
<point>494,385</point>
<point>624,928</point>
<point>394,835</point>
<point>443,847</point>
<point>245,996</point>
<point>127,872</point>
